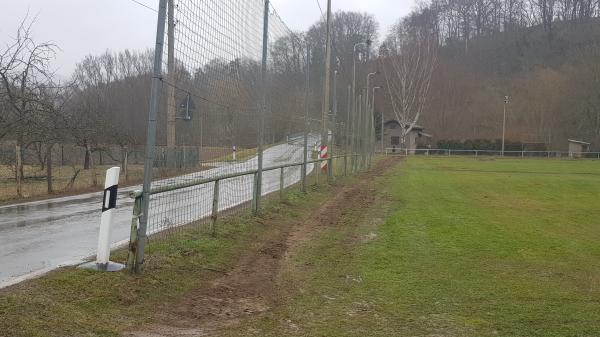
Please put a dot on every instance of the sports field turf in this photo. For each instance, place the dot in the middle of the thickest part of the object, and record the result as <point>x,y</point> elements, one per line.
<point>467,248</point>
<point>430,247</point>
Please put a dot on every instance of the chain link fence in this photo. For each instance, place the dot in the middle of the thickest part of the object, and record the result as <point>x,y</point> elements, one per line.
<point>231,76</point>
<point>492,153</point>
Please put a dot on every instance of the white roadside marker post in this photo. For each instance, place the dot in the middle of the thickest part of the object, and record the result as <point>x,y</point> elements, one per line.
<point>109,203</point>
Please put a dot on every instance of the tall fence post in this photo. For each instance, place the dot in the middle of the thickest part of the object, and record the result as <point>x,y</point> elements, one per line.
<point>353,134</point>
<point>306,109</point>
<point>357,131</point>
<point>151,135</point>
<point>281,183</point>
<point>261,127</point>
<point>329,167</point>
<point>347,129</point>
<point>365,130</point>
<point>215,207</point>
<point>363,135</point>
<point>254,194</point>
<point>126,164</point>
<point>372,131</point>
<point>133,237</point>
<point>304,168</point>
<point>317,167</point>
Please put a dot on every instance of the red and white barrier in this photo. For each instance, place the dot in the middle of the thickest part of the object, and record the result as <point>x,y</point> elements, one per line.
<point>323,155</point>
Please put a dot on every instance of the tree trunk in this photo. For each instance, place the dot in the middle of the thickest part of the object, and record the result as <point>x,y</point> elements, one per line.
<point>49,167</point>
<point>124,161</point>
<point>86,161</point>
<point>39,149</point>
<point>94,175</point>
<point>19,170</point>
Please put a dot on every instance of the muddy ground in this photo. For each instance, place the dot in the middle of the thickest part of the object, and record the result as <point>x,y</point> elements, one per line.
<point>249,288</point>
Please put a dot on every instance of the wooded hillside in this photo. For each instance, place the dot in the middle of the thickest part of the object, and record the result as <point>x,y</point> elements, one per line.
<point>543,54</point>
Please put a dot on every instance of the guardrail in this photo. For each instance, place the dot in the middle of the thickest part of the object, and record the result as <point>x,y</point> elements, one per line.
<point>137,195</point>
<point>477,153</point>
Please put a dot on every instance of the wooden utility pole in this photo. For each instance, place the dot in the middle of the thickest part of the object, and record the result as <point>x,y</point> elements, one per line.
<point>326,93</point>
<point>171,108</point>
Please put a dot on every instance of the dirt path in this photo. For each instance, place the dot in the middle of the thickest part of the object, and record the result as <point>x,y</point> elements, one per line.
<point>249,288</point>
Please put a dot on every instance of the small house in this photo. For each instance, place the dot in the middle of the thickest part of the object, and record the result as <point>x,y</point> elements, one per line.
<point>577,147</point>
<point>416,138</point>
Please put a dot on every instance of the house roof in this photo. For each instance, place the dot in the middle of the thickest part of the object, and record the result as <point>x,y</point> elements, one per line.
<point>417,128</point>
<point>578,142</point>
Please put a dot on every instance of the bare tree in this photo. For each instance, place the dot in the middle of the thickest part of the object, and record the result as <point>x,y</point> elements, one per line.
<point>109,101</point>
<point>408,59</point>
<point>25,76</point>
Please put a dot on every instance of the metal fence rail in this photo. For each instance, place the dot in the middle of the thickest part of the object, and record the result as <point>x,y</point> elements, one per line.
<point>497,153</point>
<point>209,202</point>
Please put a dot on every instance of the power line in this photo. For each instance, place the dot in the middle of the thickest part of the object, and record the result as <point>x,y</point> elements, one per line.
<point>144,5</point>
<point>320,9</point>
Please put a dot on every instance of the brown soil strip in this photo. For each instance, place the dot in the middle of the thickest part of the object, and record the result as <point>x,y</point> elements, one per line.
<point>249,288</point>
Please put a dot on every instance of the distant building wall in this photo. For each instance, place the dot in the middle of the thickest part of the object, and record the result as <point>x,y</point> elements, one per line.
<point>577,147</point>
<point>575,150</point>
<point>392,136</point>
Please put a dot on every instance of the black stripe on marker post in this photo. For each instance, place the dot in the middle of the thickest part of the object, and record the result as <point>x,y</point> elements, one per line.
<point>111,193</point>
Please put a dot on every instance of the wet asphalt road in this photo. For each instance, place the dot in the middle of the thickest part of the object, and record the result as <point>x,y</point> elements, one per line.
<point>39,236</point>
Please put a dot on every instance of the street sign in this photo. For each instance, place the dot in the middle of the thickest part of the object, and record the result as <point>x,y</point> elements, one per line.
<point>186,108</point>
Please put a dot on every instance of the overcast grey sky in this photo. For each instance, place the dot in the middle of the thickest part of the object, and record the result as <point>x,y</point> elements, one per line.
<point>82,27</point>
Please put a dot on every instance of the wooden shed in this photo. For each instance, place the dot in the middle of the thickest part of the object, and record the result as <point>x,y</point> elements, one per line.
<point>392,135</point>
<point>577,147</point>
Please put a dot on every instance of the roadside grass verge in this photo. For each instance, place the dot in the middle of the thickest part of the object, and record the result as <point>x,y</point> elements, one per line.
<point>75,302</point>
<point>35,186</point>
<point>241,155</point>
<point>466,248</point>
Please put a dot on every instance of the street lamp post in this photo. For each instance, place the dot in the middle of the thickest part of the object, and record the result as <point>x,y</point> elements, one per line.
<point>506,101</point>
<point>335,102</point>
<point>333,126</point>
<point>369,82</point>
<point>355,120</point>
<point>367,43</point>
<point>373,119</point>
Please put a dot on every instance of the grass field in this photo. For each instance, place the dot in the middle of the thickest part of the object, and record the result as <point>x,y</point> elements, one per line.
<point>432,247</point>
<point>74,302</point>
<point>468,248</point>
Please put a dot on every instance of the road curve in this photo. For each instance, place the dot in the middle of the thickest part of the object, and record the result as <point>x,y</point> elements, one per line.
<point>40,236</point>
